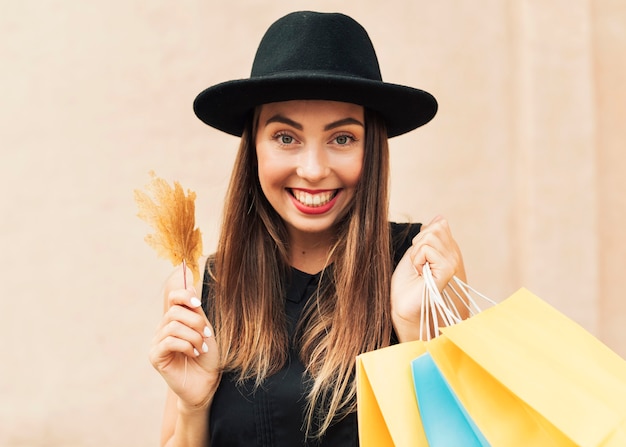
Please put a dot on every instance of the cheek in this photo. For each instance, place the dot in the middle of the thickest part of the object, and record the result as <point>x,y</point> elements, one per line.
<point>265,177</point>
<point>352,171</point>
<point>356,174</point>
<point>271,171</point>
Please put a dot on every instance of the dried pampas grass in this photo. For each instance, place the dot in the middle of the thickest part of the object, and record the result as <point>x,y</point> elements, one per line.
<point>172,215</point>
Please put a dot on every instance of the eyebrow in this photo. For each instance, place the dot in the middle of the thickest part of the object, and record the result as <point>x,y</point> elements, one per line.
<point>284,120</point>
<point>278,118</point>
<point>343,122</point>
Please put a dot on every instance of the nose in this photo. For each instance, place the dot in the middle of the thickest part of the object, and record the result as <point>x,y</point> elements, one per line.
<point>313,165</point>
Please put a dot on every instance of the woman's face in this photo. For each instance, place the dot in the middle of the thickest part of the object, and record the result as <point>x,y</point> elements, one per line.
<point>310,156</point>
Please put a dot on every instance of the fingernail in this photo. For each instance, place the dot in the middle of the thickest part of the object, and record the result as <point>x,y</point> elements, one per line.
<point>195,302</point>
<point>207,332</point>
<point>195,351</point>
<point>205,348</point>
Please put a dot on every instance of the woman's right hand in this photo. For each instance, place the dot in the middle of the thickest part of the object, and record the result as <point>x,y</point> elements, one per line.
<point>184,350</point>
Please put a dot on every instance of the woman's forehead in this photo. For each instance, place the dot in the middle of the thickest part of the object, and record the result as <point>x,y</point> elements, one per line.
<point>304,108</point>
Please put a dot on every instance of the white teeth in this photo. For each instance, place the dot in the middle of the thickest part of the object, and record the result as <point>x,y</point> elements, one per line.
<point>313,200</point>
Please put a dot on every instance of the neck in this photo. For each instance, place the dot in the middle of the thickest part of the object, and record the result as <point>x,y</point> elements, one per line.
<point>309,251</point>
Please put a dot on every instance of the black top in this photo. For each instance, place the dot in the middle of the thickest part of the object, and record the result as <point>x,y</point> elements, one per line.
<point>273,415</point>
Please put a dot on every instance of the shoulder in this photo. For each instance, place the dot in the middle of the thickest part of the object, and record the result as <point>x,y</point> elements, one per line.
<point>404,229</point>
<point>402,235</point>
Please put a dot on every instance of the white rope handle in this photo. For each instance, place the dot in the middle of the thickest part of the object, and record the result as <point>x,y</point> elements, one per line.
<point>440,307</point>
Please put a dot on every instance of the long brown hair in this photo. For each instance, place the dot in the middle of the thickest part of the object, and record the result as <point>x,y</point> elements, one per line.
<point>349,314</point>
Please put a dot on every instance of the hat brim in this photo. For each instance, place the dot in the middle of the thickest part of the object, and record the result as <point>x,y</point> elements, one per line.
<point>227,106</point>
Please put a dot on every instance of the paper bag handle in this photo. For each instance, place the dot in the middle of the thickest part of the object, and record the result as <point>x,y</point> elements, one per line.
<point>440,309</point>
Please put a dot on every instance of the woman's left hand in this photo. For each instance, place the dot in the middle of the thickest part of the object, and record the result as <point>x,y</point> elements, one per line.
<point>433,244</point>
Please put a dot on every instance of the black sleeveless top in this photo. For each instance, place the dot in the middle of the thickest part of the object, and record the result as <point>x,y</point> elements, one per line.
<point>273,414</point>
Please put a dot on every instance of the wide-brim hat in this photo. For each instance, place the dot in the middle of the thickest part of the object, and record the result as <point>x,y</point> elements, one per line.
<point>311,55</point>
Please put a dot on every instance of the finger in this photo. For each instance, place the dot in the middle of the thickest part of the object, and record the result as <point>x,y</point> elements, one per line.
<point>437,242</point>
<point>441,265</point>
<point>184,297</point>
<point>436,250</point>
<point>190,318</point>
<point>438,235</point>
<point>439,219</point>
<point>438,226</point>
<point>165,351</point>
<point>178,330</point>
<point>429,249</point>
<point>426,227</point>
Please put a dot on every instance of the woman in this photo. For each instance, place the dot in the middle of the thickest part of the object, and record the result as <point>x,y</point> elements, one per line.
<point>301,282</point>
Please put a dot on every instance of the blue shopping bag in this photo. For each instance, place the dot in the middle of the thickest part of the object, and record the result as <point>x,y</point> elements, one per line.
<point>445,421</point>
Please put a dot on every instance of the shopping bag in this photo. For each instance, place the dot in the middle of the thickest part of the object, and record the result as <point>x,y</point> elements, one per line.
<point>530,376</point>
<point>446,422</point>
<point>503,418</point>
<point>525,374</point>
<point>387,411</point>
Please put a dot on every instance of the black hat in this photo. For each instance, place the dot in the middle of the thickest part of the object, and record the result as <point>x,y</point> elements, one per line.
<point>311,55</point>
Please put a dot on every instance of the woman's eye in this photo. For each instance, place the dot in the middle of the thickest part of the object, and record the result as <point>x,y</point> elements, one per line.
<point>343,139</point>
<point>285,139</point>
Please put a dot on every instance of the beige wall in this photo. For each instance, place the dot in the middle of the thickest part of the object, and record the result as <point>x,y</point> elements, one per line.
<point>526,158</point>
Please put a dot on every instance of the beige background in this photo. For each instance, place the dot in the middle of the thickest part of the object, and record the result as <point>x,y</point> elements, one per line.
<point>526,159</point>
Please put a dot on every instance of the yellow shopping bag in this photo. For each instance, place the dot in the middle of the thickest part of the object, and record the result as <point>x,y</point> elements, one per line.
<point>387,410</point>
<point>529,376</point>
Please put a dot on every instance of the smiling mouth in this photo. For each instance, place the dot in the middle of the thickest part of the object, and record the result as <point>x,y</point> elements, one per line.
<point>313,200</point>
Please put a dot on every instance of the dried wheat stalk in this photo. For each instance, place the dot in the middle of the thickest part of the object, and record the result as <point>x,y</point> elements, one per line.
<point>172,215</point>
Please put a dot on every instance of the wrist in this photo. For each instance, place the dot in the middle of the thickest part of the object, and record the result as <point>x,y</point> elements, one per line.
<point>192,426</point>
<point>406,330</point>
<point>189,410</point>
